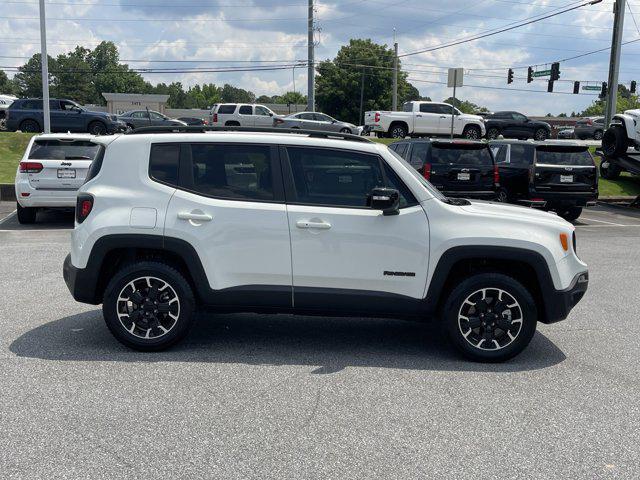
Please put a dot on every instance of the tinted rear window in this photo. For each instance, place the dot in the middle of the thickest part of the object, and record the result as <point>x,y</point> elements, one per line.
<point>63,150</point>
<point>577,156</point>
<point>461,155</point>
<point>226,108</point>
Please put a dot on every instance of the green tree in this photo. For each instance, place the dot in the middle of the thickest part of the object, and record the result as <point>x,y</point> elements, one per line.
<point>465,106</point>
<point>73,77</point>
<point>339,81</point>
<point>625,101</point>
<point>290,97</point>
<point>28,80</point>
<point>7,85</point>
<point>234,94</point>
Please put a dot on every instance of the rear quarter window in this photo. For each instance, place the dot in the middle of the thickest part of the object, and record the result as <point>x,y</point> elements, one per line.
<point>225,109</point>
<point>163,163</point>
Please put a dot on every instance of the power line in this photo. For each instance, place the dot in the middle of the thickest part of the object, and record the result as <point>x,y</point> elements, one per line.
<point>501,30</point>
<point>128,20</point>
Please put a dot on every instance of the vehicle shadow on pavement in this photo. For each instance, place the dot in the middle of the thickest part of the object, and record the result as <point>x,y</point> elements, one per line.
<point>330,344</point>
<point>45,220</point>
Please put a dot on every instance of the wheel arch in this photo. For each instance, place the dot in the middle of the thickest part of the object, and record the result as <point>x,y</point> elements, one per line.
<point>627,122</point>
<point>526,266</point>
<point>401,123</point>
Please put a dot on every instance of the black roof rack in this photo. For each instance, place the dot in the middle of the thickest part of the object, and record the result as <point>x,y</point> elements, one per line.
<point>206,128</point>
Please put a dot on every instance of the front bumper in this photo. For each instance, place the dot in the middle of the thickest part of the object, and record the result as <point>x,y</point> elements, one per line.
<point>118,127</point>
<point>559,303</point>
<point>81,282</point>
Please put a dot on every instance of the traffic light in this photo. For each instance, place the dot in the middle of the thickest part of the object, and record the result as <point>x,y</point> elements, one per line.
<point>530,75</point>
<point>555,71</point>
<point>576,87</point>
<point>510,76</point>
<point>550,86</point>
<point>633,86</point>
<point>603,91</point>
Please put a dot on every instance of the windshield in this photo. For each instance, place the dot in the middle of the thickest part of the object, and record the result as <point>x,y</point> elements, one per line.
<point>63,150</point>
<point>456,154</point>
<point>578,156</point>
<point>432,190</point>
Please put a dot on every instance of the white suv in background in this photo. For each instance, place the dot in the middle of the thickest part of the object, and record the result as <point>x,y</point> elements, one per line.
<point>308,223</point>
<point>52,169</point>
<point>241,115</point>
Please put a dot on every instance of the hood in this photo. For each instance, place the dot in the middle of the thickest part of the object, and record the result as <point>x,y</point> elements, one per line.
<point>516,212</point>
<point>469,116</point>
<point>634,113</point>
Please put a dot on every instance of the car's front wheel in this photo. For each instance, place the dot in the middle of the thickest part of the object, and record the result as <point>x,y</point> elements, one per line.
<point>97,128</point>
<point>540,134</point>
<point>148,306</point>
<point>345,130</point>
<point>597,135</point>
<point>490,317</point>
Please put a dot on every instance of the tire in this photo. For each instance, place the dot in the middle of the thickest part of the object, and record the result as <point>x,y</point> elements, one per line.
<point>502,195</point>
<point>614,141</point>
<point>493,133</point>
<point>571,214</point>
<point>345,130</point>
<point>130,126</point>
<point>30,126</point>
<point>611,172</point>
<point>540,135</point>
<point>134,279</point>
<point>398,131</point>
<point>597,135</point>
<point>519,324</point>
<point>97,128</point>
<point>472,132</point>
<point>26,215</point>
<point>232,124</point>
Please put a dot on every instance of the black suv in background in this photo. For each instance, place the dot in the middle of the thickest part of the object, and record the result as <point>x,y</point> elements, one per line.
<point>561,177</point>
<point>26,114</point>
<point>458,168</point>
<point>515,125</point>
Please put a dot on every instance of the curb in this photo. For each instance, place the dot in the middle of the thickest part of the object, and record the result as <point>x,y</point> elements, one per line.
<point>7,192</point>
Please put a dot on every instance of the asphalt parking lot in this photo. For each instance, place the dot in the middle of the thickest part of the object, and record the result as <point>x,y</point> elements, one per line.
<point>251,396</point>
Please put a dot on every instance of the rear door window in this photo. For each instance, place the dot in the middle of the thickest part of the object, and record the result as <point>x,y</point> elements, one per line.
<point>573,157</point>
<point>401,149</point>
<point>63,150</point>
<point>245,110</point>
<point>521,156</point>
<point>237,172</point>
<point>419,152</point>
<point>500,154</point>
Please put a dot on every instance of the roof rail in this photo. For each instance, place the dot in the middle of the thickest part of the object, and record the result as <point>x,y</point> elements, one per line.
<point>206,128</point>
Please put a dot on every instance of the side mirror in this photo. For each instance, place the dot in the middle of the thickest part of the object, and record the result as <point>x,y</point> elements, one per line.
<point>334,121</point>
<point>270,114</point>
<point>385,199</point>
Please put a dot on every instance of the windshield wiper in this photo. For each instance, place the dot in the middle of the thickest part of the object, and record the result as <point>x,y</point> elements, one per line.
<point>456,201</point>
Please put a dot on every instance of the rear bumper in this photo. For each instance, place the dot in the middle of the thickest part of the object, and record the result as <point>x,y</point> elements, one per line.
<point>42,197</point>
<point>80,281</point>
<point>562,199</point>
<point>559,303</point>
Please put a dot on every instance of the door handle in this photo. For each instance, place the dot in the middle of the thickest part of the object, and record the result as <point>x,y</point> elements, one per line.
<point>200,217</point>
<point>419,116</point>
<point>316,225</point>
<point>443,116</point>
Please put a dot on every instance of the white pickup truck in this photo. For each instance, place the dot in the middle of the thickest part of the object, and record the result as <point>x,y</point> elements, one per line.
<point>424,118</point>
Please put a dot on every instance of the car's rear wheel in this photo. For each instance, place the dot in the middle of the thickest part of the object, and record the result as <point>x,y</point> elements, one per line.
<point>30,126</point>
<point>490,317</point>
<point>608,170</point>
<point>472,132</point>
<point>398,131</point>
<point>502,195</point>
<point>148,306</point>
<point>597,135</point>
<point>571,214</point>
<point>540,134</point>
<point>614,141</point>
<point>493,133</point>
<point>97,128</point>
<point>26,215</point>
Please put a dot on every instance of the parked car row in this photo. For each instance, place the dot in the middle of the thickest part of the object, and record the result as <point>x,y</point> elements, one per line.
<point>552,176</point>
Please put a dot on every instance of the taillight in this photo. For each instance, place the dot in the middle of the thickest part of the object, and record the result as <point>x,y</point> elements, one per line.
<point>30,167</point>
<point>215,118</point>
<point>84,205</point>
<point>204,122</point>
<point>496,175</point>
<point>426,171</point>
<point>376,117</point>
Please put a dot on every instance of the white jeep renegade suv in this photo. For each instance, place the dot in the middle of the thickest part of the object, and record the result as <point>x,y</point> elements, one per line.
<point>307,223</point>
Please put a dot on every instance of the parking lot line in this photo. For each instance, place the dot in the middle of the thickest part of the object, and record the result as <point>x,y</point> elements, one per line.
<point>7,217</point>
<point>601,221</point>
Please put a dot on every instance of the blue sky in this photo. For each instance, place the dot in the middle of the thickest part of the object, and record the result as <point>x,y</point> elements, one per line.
<point>235,31</point>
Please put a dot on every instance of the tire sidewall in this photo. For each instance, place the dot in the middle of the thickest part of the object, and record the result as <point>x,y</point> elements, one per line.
<point>165,273</point>
<point>396,129</point>
<point>472,128</point>
<point>97,128</point>
<point>489,280</point>
<point>494,135</point>
<point>540,134</point>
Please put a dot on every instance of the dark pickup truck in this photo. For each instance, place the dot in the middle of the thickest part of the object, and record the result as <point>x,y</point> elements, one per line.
<point>515,125</point>
<point>26,114</point>
<point>561,177</point>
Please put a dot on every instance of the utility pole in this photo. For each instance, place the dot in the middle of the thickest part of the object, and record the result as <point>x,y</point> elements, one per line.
<point>394,96</point>
<point>614,61</point>
<point>360,119</point>
<point>44,60</point>
<point>311,70</point>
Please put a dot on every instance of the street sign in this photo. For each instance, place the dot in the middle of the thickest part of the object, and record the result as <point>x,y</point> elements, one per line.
<point>542,73</point>
<point>596,88</point>
<point>455,77</point>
